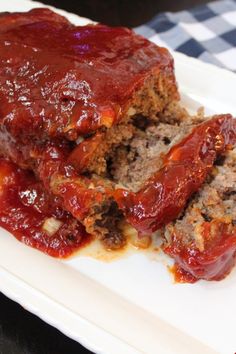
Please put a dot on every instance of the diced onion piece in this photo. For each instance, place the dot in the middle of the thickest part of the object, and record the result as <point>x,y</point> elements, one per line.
<point>131,111</point>
<point>142,242</point>
<point>51,226</point>
<point>120,186</point>
<point>132,234</point>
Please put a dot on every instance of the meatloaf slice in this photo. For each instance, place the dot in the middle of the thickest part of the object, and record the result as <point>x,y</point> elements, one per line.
<point>184,168</point>
<point>61,80</point>
<point>203,240</point>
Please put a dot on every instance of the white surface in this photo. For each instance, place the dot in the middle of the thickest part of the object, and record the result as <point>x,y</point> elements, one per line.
<point>129,305</point>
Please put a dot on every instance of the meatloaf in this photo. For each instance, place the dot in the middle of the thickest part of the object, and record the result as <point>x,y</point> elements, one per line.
<point>94,112</point>
<point>203,239</point>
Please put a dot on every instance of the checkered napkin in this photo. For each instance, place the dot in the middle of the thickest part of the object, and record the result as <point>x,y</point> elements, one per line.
<point>207,32</point>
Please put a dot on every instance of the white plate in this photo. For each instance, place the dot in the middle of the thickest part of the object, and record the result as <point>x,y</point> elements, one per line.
<point>129,305</point>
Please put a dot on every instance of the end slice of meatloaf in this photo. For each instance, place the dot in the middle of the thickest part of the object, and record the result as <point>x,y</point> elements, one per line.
<point>203,240</point>
<point>61,80</point>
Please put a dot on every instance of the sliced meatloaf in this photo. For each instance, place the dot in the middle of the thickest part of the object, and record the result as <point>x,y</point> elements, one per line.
<point>203,239</point>
<point>94,112</point>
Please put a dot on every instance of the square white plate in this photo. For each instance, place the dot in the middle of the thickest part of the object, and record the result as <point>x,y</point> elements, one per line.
<point>129,305</point>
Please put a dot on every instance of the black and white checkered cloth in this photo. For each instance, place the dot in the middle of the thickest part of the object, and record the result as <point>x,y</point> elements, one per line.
<point>207,32</point>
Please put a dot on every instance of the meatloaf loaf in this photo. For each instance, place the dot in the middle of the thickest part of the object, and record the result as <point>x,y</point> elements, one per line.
<point>94,112</point>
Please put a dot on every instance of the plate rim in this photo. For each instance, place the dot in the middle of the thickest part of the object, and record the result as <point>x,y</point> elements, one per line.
<point>8,288</point>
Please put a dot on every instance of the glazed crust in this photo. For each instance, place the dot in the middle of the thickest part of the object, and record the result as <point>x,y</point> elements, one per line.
<point>59,80</point>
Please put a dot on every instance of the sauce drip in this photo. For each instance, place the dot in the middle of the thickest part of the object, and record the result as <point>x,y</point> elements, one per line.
<point>181,275</point>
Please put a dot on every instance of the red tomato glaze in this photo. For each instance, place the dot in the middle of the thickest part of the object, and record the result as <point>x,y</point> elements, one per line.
<point>24,207</point>
<point>57,79</point>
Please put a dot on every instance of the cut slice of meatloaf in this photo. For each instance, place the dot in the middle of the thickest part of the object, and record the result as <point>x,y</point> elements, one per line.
<point>61,80</point>
<point>203,240</point>
<point>184,168</point>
